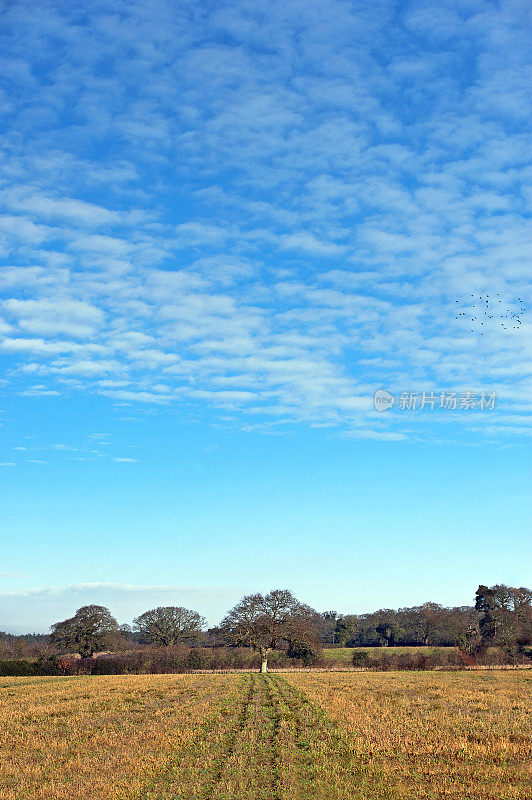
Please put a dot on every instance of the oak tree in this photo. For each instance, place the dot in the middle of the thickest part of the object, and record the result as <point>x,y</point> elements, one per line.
<point>169,625</point>
<point>92,628</point>
<point>267,622</point>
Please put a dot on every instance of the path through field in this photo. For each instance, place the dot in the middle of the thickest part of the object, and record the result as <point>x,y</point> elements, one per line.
<point>365,736</point>
<point>271,745</point>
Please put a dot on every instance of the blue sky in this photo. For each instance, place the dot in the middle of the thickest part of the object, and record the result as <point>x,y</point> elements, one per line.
<point>223,227</point>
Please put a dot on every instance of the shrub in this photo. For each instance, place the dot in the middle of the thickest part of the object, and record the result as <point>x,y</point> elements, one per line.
<point>16,668</point>
<point>385,659</point>
<point>109,666</point>
<point>360,658</point>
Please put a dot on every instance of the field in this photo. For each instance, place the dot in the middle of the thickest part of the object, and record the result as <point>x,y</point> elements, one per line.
<point>426,735</point>
<point>344,655</point>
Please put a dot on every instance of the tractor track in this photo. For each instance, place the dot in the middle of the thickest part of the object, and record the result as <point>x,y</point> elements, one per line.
<point>248,762</point>
<point>265,743</point>
<point>230,744</point>
<point>270,749</point>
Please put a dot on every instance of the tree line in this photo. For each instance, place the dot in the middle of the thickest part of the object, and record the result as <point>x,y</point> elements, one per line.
<point>427,624</point>
<point>279,622</point>
<point>501,617</point>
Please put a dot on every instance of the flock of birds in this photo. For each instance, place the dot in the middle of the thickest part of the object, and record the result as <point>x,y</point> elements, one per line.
<point>482,314</point>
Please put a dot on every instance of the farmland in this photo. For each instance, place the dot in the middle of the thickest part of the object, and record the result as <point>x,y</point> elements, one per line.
<point>343,735</point>
<point>344,655</point>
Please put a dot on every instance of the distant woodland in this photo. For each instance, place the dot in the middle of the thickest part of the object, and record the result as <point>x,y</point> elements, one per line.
<point>276,629</point>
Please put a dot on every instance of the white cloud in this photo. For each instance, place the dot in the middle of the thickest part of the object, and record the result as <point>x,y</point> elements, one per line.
<point>46,348</point>
<point>387,436</point>
<point>310,243</point>
<point>99,244</point>
<point>60,316</point>
<point>136,397</point>
<point>23,230</point>
<point>62,208</point>
<point>40,391</point>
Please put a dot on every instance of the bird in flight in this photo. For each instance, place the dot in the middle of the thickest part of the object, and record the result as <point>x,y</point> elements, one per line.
<point>479,313</point>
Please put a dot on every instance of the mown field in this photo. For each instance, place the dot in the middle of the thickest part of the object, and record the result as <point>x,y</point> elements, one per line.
<point>425,735</point>
<point>344,655</point>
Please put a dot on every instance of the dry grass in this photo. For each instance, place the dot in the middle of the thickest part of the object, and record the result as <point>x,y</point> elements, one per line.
<point>104,737</point>
<point>250,737</point>
<point>428,735</point>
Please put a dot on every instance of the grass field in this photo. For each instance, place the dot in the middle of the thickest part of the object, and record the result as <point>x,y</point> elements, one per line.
<point>416,735</point>
<point>345,654</point>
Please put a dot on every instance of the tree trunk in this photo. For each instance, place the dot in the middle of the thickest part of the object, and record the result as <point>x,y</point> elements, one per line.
<point>264,659</point>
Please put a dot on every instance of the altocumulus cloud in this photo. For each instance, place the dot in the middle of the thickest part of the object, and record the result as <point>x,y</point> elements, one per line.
<point>275,231</point>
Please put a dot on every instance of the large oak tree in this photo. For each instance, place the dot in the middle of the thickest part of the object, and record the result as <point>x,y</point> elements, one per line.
<point>266,622</point>
<point>169,625</point>
<point>92,628</point>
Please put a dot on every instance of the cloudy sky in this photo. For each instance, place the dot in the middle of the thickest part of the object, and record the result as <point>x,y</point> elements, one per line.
<point>223,227</point>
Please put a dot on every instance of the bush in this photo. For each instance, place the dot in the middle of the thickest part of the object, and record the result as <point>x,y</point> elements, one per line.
<point>16,668</point>
<point>385,659</point>
<point>109,666</point>
<point>360,658</point>
<point>307,654</point>
<point>197,659</point>
<point>47,666</point>
<point>500,656</point>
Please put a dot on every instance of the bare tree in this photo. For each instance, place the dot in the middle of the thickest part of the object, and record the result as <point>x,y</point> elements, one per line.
<point>92,628</point>
<point>169,625</point>
<point>264,622</point>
